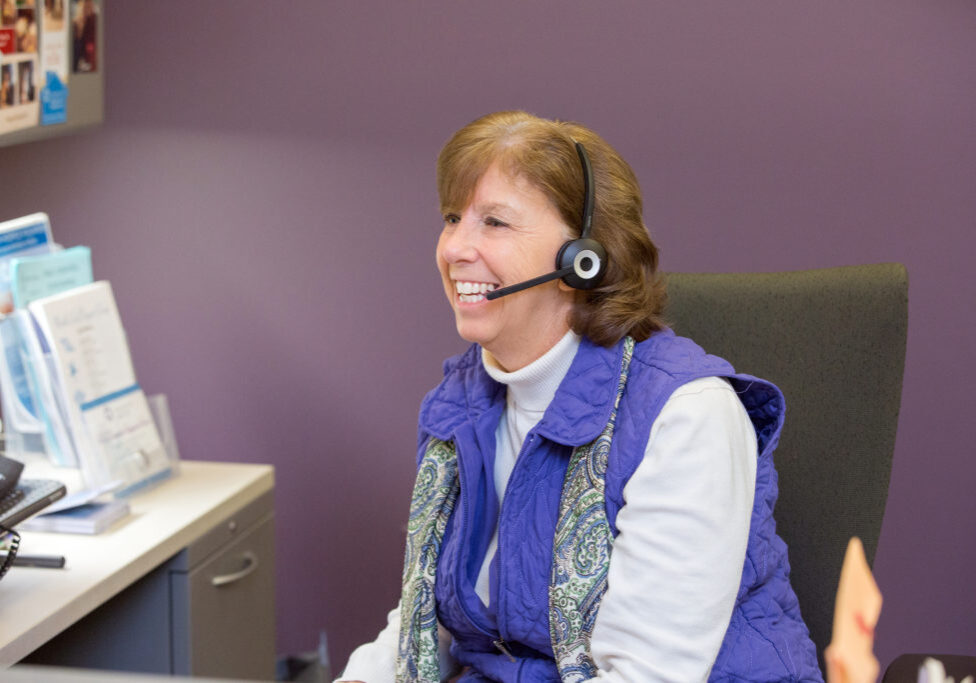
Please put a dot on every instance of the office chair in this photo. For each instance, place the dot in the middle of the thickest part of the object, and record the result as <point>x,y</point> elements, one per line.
<point>833,340</point>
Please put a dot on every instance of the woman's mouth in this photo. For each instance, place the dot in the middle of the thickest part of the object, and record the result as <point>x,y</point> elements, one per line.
<point>472,292</point>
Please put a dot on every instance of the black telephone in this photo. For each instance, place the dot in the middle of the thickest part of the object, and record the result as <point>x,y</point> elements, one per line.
<point>21,498</point>
<point>10,470</point>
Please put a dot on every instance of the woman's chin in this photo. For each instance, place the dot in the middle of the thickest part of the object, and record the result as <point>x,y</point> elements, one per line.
<point>472,332</point>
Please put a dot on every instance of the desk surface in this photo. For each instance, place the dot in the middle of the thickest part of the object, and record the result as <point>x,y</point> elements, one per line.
<point>36,604</point>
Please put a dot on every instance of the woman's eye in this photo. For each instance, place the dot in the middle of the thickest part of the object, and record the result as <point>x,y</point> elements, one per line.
<point>451,219</point>
<point>495,223</point>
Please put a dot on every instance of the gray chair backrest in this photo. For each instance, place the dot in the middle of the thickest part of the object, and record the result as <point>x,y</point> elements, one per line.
<point>833,340</point>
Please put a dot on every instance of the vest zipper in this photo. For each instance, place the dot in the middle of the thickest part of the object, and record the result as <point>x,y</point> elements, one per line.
<point>500,644</point>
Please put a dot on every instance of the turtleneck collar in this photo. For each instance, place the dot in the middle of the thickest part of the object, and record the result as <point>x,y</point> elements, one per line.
<point>532,388</point>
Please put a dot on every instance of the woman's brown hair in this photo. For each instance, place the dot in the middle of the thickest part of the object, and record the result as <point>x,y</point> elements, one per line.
<point>631,297</point>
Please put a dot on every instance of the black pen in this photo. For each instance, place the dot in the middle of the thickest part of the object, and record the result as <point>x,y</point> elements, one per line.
<point>48,561</point>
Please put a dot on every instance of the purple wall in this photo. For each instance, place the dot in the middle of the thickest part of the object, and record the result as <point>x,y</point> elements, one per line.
<point>261,196</point>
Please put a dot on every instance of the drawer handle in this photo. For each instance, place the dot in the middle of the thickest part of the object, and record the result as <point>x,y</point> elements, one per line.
<point>250,564</point>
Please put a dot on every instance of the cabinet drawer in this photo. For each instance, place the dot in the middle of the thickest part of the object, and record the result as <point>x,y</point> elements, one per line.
<point>223,609</point>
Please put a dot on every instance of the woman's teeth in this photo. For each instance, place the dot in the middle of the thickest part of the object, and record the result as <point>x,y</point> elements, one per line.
<point>472,292</point>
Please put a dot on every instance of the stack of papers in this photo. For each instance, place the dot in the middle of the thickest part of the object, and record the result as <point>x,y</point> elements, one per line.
<point>90,518</point>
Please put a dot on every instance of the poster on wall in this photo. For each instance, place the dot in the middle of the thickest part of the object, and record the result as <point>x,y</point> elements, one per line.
<point>84,33</point>
<point>18,64</point>
<point>55,61</point>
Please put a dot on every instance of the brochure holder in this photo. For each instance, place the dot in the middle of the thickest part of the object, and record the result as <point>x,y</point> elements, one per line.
<point>90,368</point>
<point>67,384</point>
<point>23,380</point>
<point>69,390</point>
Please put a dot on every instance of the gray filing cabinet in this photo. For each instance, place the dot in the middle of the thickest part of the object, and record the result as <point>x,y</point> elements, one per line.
<point>208,611</point>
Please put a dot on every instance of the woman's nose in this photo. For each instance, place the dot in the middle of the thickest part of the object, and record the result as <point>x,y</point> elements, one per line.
<point>458,243</point>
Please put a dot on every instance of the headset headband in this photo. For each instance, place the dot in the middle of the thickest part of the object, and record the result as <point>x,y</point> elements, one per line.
<point>589,190</point>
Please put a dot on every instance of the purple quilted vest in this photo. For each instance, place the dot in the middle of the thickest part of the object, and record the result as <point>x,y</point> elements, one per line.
<point>509,641</point>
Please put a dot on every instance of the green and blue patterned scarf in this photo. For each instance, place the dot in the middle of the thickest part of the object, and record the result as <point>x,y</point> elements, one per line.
<point>580,556</point>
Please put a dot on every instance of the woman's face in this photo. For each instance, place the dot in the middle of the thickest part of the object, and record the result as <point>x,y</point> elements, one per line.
<point>510,232</point>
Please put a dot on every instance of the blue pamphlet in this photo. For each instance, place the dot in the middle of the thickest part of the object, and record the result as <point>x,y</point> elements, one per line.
<point>27,234</point>
<point>54,100</point>
<point>35,277</point>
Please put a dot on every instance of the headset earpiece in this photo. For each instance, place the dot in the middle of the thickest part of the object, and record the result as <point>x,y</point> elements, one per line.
<point>587,258</point>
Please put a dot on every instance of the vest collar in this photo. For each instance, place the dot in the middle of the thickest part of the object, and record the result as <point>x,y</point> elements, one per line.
<point>578,413</point>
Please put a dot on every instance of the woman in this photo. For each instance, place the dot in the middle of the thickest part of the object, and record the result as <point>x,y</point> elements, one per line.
<point>594,494</point>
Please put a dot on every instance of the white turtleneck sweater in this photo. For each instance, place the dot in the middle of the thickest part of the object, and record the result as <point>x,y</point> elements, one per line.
<point>677,559</point>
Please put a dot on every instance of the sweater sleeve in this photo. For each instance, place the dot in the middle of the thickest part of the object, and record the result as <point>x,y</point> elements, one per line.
<point>375,662</point>
<point>683,530</point>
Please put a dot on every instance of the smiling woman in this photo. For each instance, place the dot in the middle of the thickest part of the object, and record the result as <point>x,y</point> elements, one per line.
<point>508,232</point>
<point>594,494</point>
<point>540,155</point>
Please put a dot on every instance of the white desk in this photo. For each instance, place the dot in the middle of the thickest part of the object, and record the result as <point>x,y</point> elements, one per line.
<point>37,604</point>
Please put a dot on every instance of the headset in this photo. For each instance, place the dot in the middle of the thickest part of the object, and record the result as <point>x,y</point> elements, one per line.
<point>581,263</point>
